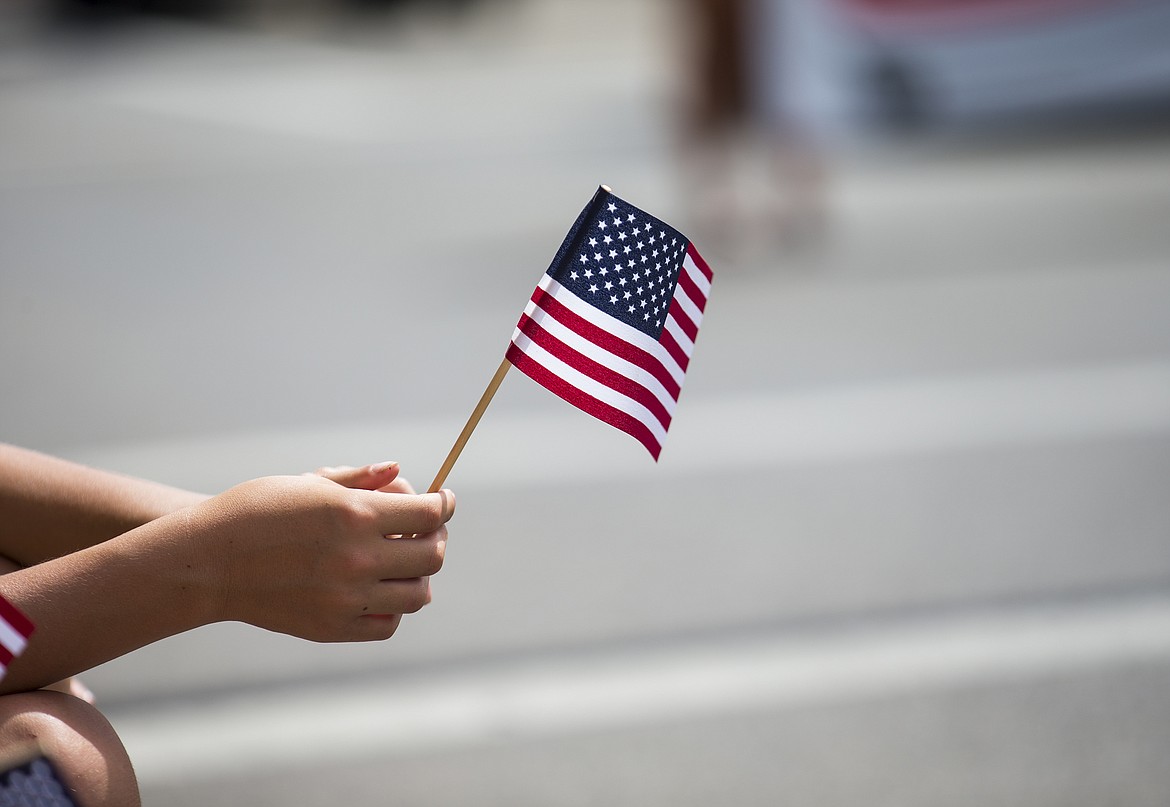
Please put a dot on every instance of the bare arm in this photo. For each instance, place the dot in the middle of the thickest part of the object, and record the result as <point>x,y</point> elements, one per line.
<point>302,555</point>
<point>96,604</point>
<point>50,507</point>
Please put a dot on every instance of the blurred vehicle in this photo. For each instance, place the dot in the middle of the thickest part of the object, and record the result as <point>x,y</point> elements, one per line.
<point>850,65</point>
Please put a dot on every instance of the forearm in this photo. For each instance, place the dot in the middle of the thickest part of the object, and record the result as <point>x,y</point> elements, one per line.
<point>302,555</point>
<point>50,507</point>
<point>102,602</point>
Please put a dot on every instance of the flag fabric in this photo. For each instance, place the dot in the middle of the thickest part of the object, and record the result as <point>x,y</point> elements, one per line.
<point>15,628</point>
<point>612,323</point>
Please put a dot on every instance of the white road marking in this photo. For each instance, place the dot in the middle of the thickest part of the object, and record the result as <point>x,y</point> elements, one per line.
<point>534,700</point>
<point>468,707</point>
<point>766,430</point>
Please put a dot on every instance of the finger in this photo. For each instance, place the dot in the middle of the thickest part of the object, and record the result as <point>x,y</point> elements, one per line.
<point>368,477</point>
<point>373,627</point>
<point>417,556</point>
<point>399,597</point>
<point>400,485</point>
<point>403,514</point>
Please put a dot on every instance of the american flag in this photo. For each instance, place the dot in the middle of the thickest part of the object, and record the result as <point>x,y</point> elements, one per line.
<point>612,323</point>
<point>15,628</point>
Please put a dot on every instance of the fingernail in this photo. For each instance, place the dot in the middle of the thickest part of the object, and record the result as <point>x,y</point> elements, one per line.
<point>448,499</point>
<point>382,467</point>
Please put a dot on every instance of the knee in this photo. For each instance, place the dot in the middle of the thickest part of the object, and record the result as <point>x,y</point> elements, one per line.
<point>78,739</point>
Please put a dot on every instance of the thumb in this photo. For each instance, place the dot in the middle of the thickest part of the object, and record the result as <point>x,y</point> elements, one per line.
<point>368,477</point>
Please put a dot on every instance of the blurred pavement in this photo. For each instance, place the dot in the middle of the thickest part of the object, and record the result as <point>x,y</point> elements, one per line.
<point>909,540</point>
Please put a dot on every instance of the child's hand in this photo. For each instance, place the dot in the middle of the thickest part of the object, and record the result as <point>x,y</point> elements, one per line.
<point>321,556</point>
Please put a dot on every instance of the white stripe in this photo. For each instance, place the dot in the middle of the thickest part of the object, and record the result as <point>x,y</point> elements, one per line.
<point>696,274</point>
<point>12,639</point>
<point>674,329</point>
<point>589,386</point>
<point>687,305</point>
<point>590,349</point>
<point>451,709</point>
<point>621,330</point>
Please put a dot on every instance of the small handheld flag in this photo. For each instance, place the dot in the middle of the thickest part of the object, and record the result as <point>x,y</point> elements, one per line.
<point>612,323</point>
<point>15,628</point>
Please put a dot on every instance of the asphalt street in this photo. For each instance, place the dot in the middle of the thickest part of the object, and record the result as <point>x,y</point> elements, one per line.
<point>909,539</point>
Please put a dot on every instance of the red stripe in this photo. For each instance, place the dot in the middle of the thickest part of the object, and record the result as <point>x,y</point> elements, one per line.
<point>5,657</point>
<point>583,401</point>
<point>13,616</point>
<point>606,340</point>
<point>699,262</point>
<point>598,372</point>
<point>687,284</point>
<point>675,350</point>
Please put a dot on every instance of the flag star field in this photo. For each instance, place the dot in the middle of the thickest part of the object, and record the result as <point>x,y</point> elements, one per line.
<point>627,265</point>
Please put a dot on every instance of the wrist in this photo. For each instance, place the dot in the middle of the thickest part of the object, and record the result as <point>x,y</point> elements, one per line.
<point>163,501</point>
<point>169,556</point>
<point>198,570</point>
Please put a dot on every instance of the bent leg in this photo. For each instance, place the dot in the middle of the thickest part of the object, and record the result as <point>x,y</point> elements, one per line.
<point>80,742</point>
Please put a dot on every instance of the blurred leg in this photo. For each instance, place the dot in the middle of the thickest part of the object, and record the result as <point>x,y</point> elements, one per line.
<point>713,114</point>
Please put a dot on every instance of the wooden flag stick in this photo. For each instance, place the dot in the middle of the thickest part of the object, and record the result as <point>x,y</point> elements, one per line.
<point>472,422</point>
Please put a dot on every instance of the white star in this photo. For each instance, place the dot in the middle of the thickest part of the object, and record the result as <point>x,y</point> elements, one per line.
<point>612,299</point>
<point>607,240</point>
<point>584,259</point>
<point>617,222</point>
<point>639,290</point>
<point>588,273</point>
<point>612,207</point>
<point>637,230</point>
<point>655,254</point>
<point>631,309</point>
<point>625,249</point>
<point>592,242</point>
<point>662,234</point>
<point>621,281</point>
<point>652,239</point>
<point>603,271</point>
<point>626,295</point>
<point>641,245</point>
<point>646,316</point>
<point>630,217</point>
<point>601,224</point>
<point>622,236</point>
<point>596,256</point>
<point>643,259</point>
<point>631,264</point>
<point>608,285</point>
<point>613,253</point>
<point>593,288</point>
<point>572,275</point>
<point>637,276</point>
